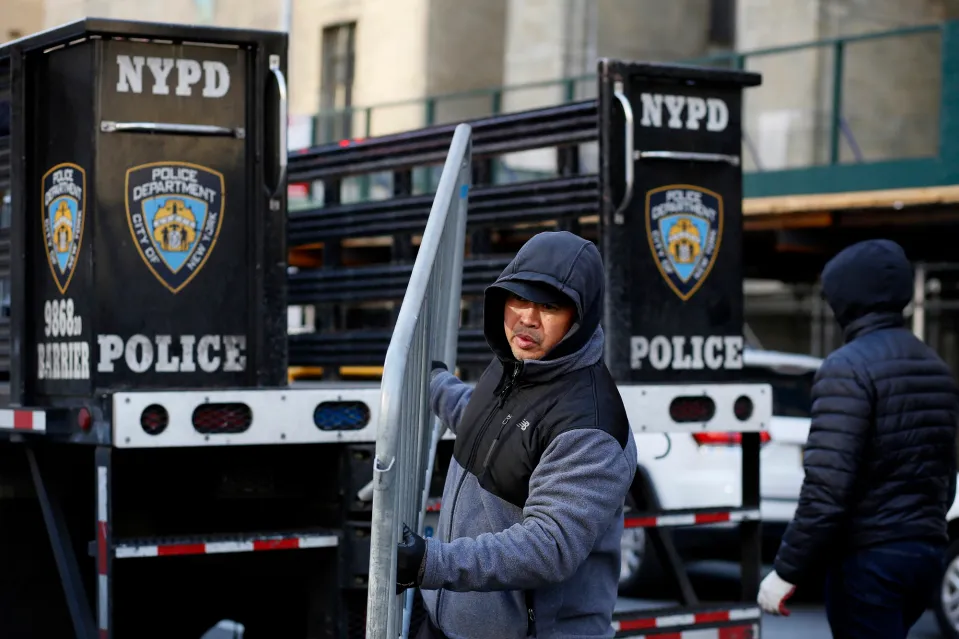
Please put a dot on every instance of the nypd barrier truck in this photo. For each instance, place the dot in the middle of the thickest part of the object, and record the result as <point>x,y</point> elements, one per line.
<point>158,471</point>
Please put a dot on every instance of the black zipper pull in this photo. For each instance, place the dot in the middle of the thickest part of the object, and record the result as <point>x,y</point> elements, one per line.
<point>510,383</point>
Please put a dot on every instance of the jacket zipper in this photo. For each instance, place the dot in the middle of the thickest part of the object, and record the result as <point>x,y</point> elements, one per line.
<point>504,394</point>
<point>492,446</point>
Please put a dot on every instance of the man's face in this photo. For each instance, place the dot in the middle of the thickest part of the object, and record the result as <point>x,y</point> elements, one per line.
<point>532,330</point>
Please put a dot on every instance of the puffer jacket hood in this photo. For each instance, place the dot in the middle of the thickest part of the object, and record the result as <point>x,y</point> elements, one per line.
<point>874,276</point>
<point>567,263</point>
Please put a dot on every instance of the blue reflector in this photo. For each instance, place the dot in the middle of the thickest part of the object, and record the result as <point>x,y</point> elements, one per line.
<point>341,415</point>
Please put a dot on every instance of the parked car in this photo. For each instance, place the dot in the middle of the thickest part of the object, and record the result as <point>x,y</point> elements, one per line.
<point>946,603</point>
<point>703,470</point>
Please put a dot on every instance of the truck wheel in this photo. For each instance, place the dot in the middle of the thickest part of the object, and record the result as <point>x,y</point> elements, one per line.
<point>637,560</point>
<point>947,601</point>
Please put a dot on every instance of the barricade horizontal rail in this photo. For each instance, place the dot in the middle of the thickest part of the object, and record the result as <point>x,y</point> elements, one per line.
<point>509,203</point>
<point>520,131</point>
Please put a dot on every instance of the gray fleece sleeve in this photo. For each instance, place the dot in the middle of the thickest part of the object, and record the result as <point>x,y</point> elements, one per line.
<point>577,487</point>
<point>448,398</point>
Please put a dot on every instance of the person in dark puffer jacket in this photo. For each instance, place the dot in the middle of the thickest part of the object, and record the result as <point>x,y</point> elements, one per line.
<point>880,460</point>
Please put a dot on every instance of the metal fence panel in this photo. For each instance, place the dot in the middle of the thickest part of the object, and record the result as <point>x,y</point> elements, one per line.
<point>426,329</point>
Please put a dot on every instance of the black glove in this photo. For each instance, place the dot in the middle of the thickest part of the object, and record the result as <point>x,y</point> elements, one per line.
<point>410,560</point>
<point>435,367</point>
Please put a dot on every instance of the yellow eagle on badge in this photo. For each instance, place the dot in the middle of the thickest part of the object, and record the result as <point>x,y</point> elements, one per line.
<point>63,227</point>
<point>684,242</point>
<point>174,226</point>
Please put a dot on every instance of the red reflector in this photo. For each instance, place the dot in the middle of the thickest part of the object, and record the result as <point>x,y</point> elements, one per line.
<point>726,439</point>
<point>692,408</point>
<point>711,518</point>
<point>637,624</point>
<point>22,420</point>
<point>84,419</point>
<point>276,544</point>
<point>181,549</point>
<point>102,547</point>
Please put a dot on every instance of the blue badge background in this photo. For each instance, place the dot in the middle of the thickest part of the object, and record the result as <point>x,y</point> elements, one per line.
<point>74,206</point>
<point>175,259</point>
<point>666,224</point>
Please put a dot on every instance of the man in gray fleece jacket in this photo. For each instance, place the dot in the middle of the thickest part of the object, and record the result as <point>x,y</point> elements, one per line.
<point>528,540</point>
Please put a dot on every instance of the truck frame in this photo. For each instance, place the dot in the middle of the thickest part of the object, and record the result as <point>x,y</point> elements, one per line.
<point>159,471</point>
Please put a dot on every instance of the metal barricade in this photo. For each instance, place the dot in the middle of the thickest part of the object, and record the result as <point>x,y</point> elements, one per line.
<point>426,329</point>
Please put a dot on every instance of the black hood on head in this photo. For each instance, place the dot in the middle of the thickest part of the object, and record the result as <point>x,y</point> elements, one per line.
<point>874,276</point>
<point>565,262</point>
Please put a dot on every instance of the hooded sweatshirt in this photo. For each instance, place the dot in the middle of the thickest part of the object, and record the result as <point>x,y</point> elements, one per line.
<point>528,539</point>
<point>880,457</point>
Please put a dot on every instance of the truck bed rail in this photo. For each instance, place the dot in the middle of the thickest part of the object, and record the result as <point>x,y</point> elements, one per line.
<point>368,348</point>
<point>509,133</point>
<point>530,202</point>
<point>5,170</point>
<point>380,282</point>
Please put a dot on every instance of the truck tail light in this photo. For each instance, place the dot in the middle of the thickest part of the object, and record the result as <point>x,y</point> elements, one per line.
<point>726,439</point>
<point>692,408</point>
<point>743,408</point>
<point>154,419</point>
<point>222,418</point>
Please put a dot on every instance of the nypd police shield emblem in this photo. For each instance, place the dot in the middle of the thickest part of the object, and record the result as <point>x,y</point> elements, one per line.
<point>175,212</point>
<point>684,225</point>
<point>64,209</point>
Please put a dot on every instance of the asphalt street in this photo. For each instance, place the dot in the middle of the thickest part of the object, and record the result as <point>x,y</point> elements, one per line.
<point>713,580</point>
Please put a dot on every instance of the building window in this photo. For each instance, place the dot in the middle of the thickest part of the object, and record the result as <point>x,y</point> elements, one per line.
<point>336,86</point>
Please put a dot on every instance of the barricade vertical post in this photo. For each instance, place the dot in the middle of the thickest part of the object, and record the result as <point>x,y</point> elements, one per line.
<point>425,330</point>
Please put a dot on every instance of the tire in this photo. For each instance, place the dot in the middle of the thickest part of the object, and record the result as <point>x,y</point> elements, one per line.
<point>947,615</point>
<point>638,563</point>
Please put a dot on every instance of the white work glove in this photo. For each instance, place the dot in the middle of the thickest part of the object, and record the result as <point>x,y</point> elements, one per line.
<point>773,593</point>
